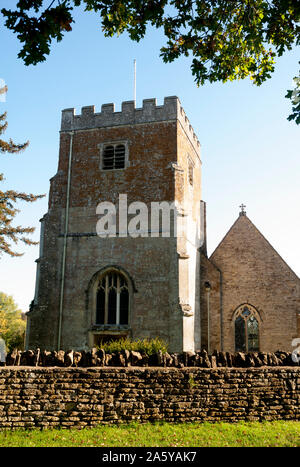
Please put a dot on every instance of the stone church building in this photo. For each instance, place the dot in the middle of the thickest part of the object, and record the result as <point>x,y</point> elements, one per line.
<point>150,281</point>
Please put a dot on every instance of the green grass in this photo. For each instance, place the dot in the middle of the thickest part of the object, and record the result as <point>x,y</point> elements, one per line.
<point>250,434</point>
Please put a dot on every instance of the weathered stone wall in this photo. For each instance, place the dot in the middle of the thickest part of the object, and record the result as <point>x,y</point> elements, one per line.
<point>208,271</point>
<point>163,272</point>
<point>80,397</point>
<point>150,262</point>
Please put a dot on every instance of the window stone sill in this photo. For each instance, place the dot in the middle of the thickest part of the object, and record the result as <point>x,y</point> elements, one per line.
<point>110,327</point>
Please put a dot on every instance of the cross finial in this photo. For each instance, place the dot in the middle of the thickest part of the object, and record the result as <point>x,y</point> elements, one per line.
<point>242,212</point>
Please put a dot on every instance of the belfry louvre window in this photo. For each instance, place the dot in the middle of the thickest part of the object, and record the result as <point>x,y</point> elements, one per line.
<point>113,157</point>
<point>112,304</point>
<point>246,329</point>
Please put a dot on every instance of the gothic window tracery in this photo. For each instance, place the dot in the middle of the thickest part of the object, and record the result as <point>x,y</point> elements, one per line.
<point>246,329</point>
<point>112,299</point>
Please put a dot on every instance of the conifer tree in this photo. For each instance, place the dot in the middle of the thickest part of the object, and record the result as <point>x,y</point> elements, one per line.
<point>8,233</point>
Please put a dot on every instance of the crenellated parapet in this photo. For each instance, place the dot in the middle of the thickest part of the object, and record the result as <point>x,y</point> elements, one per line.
<point>129,115</point>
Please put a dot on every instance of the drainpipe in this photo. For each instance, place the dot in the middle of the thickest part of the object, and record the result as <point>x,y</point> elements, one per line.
<point>221,312</point>
<point>208,289</point>
<point>63,266</point>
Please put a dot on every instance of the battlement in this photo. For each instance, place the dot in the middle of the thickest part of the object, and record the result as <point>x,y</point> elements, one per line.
<point>129,115</point>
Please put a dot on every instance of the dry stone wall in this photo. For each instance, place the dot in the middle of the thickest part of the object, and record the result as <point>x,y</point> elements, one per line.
<point>98,357</point>
<point>83,397</point>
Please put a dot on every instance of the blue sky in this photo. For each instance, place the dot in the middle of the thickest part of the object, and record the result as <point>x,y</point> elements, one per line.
<point>250,152</point>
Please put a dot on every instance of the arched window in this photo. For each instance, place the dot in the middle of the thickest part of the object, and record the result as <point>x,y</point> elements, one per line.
<point>112,299</point>
<point>246,329</point>
<point>113,157</point>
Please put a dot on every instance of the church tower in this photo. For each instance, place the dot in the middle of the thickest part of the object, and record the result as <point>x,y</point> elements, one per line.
<point>141,280</point>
